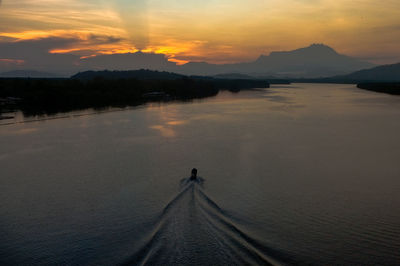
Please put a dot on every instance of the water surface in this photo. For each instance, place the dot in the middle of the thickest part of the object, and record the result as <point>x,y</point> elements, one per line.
<point>297,174</point>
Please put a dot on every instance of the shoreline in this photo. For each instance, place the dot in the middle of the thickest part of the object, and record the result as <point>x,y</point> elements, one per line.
<point>51,96</point>
<point>392,88</point>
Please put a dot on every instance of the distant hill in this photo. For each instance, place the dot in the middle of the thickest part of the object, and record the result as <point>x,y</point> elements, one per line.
<point>314,61</point>
<point>27,74</point>
<point>232,84</point>
<point>142,74</point>
<point>128,61</point>
<point>233,76</point>
<point>386,73</point>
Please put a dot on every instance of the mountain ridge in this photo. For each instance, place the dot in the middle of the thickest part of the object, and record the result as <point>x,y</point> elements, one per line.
<point>385,73</point>
<point>27,73</point>
<point>316,60</point>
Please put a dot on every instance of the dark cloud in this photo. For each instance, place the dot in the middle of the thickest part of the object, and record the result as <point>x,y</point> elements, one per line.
<point>99,39</point>
<point>39,47</point>
<point>33,48</point>
<point>35,55</point>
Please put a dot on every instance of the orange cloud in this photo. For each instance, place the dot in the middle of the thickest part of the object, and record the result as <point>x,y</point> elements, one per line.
<point>178,61</point>
<point>93,50</point>
<point>12,61</point>
<point>173,48</point>
<point>83,35</point>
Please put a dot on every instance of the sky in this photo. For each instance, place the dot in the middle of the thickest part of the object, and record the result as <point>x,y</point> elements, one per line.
<point>214,31</point>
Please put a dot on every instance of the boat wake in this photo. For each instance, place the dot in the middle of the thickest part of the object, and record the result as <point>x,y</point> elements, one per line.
<point>194,230</point>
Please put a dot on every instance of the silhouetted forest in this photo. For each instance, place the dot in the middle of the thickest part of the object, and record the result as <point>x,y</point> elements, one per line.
<point>48,96</point>
<point>390,88</point>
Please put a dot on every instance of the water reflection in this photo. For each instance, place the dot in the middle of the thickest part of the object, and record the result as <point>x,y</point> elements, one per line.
<point>313,173</point>
<point>18,131</point>
<point>168,119</point>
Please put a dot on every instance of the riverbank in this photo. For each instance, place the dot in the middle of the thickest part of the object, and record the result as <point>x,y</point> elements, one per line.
<point>50,96</point>
<point>390,88</point>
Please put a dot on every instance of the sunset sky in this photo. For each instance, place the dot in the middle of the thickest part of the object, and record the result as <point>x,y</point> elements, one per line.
<point>215,31</point>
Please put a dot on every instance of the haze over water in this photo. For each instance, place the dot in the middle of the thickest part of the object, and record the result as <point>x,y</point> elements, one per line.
<point>296,174</point>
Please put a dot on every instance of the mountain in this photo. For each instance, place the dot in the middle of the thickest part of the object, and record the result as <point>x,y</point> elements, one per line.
<point>141,74</point>
<point>128,61</point>
<point>386,73</point>
<point>233,76</point>
<point>27,74</point>
<point>316,60</point>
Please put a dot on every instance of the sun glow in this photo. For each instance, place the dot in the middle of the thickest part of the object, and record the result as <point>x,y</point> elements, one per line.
<point>214,31</point>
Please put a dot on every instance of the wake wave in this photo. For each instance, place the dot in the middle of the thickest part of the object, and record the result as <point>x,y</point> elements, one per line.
<point>194,230</point>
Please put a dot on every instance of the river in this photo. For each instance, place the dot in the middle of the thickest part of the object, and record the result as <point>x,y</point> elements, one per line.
<point>294,174</point>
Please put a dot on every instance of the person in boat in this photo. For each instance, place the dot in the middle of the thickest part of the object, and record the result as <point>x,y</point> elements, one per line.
<point>194,174</point>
